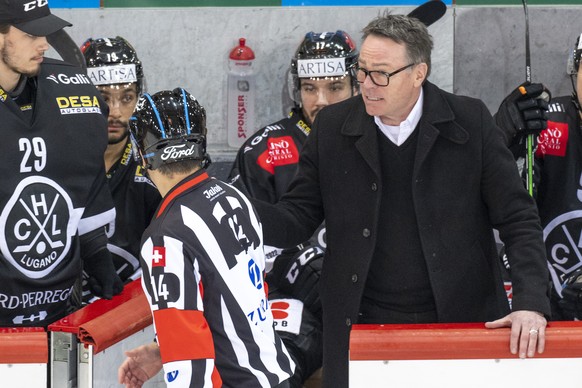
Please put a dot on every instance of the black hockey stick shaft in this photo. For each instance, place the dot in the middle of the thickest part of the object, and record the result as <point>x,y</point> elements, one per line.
<point>527,52</point>
<point>529,159</point>
<point>66,48</point>
<point>429,12</point>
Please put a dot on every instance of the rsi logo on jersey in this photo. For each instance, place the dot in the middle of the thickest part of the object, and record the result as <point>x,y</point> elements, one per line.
<point>76,79</point>
<point>34,5</point>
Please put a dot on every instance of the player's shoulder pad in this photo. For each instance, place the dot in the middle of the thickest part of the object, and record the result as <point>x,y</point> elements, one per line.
<point>58,62</point>
<point>56,65</point>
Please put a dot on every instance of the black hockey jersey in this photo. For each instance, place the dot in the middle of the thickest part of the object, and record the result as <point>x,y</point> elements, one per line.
<point>559,192</point>
<point>203,262</point>
<point>53,190</point>
<point>267,162</point>
<point>136,199</point>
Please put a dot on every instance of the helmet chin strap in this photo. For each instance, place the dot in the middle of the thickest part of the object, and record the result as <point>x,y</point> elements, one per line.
<point>575,99</point>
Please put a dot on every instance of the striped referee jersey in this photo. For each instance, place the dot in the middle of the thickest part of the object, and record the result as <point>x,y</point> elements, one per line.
<point>203,263</point>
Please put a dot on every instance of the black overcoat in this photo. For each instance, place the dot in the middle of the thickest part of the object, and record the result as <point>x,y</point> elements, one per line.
<point>465,183</point>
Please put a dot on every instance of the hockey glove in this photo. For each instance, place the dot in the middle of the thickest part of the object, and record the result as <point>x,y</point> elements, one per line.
<point>296,272</point>
<point>103,280</point>
<point>524,111</point>
<point>571,302</point>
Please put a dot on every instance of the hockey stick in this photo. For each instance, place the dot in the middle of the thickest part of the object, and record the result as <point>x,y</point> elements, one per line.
<point>429,12</point>
<point>66,48</point>
<point>530,137</point>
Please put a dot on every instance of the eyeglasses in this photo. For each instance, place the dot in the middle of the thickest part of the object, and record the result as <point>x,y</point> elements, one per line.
<point>379,78</point>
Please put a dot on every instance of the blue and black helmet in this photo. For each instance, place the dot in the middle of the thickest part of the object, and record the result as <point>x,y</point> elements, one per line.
<point>169,126</point>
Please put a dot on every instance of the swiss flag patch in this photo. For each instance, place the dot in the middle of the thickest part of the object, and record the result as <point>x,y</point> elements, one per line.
<point>159,257</point>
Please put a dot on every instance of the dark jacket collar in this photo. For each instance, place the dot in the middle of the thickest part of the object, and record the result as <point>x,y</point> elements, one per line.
<point>438,119</point>
<point>435,112</point>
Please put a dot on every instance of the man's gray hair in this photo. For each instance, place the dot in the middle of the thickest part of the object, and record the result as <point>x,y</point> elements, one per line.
<point>403,30</point>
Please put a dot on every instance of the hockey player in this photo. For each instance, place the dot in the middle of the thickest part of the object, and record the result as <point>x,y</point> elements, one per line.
<point>203,261</point>
<point>320,74</point>
<point>54,199</point>
<point>266,162</point>
<point>113,66</point>
<point>557,178</point>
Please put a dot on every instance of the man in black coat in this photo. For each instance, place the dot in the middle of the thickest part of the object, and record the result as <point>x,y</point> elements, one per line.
<point>411,181</point>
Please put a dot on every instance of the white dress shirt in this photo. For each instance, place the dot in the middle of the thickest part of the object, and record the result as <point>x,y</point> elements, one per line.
<point>399,133</point>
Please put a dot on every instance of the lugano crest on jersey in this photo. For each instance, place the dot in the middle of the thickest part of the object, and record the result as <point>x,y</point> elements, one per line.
<point>35,226</point>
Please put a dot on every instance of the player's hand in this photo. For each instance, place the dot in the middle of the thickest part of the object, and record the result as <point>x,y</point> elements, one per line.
<point>141,364</point>
<point>524,111</point>
<point>528,332</point>
<point>102,279</point>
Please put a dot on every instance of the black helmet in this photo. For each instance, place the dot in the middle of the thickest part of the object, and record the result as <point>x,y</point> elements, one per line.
<point>169,126</point>
<point>573,66</point>
<point>113,61</point>
<point>321,55</point>
<point>574,58</point>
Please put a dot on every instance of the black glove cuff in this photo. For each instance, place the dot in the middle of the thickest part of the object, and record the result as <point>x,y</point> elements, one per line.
<point>102,279</point>
<point>93,241</point>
